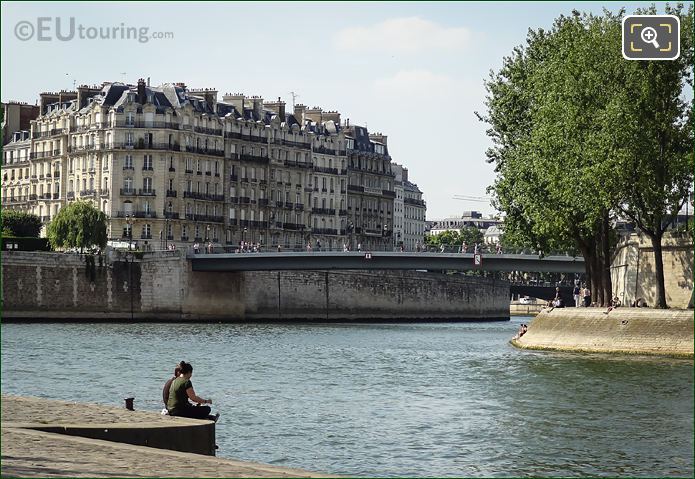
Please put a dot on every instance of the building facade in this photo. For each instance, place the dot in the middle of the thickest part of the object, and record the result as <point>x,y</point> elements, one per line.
<point>171,164</point>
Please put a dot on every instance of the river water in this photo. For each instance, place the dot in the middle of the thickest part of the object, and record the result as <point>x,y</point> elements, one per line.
<point>414,399</point>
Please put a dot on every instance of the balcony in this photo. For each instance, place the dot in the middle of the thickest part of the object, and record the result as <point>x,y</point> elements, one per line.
<point>244,200</point>
<point>204,151</point>
<point>413,201</point>
<point>254,158</point>
<point>144,214</point>
<point>70,195</point>
<point>292,226</point>
<point>202,196</point>
<point>190,172</point>
<point>146,236</point>
<point>323,211</point>
<point>279,204</point>
<point>233,178</point>
<point>171,215</point>
<point>323,150</point>
<point>299,206</point>
<point>56,196</point>
<point>56,174</point>
<point>254,139</point>
<point>342,212</point>
<point>236,135</point>
<point>147,168</point>
<point>129,167</point>
<point>171,194</point>
<point>146,192</point>
<point>172,169</point>
<point>56,152</point>
<point>104,192</point>
<point>125,192</point>
<point>88,192</point>
<point>324,231</point>
<point>289,206</point>
<point>389,194</point>
<point>263,202</point>
<point>145,124</point>
<point>357,188</point>
<point>331,171</point>
<point>208,131</point>
<point>45,196</point>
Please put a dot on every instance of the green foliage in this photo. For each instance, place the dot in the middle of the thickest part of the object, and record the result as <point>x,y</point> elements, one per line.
<point>78,225</point>
<point>20,223</point>
<point>469,234</point>
<point>581,134</point>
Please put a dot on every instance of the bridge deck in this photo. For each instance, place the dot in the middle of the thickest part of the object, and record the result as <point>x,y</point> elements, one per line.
<point>382,260</point>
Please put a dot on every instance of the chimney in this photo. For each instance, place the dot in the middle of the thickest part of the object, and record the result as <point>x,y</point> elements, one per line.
<point>210,98</point>
<point>142,98</point>
<point>236,100</point>
<point>258,107</point>
<point>278,107</point>
<point>299,110</point>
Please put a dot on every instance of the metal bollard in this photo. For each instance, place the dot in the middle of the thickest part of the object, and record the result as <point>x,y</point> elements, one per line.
<point>129,404</point>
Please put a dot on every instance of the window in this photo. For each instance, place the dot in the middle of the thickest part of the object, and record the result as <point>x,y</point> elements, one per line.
<point>147,162</point>
<point>128,184</point>
<point>147,184</point>
<point>146,231</point>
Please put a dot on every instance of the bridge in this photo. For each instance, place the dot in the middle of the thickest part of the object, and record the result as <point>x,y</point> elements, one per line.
<point>380,260</point>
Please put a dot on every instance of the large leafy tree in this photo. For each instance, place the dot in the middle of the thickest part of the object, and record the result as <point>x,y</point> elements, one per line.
<point>656,144</point>
<point>20,223</point>
<point>562,118</point>
<point>78,225</point>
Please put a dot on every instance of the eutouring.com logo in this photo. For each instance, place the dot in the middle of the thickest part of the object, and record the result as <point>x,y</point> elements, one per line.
<point>48,29</point>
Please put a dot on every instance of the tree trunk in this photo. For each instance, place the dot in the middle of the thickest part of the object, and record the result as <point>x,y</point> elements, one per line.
<point>659,271</point>
<point>606,256</point>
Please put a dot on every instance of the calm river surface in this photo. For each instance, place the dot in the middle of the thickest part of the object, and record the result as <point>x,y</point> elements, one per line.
<point>437,399</point>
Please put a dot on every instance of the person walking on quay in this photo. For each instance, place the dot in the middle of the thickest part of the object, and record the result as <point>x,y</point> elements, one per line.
<point>576,292</point>
<point>181,390</point>
<point>587,297</point>
<point>308,247</point>
<point>359,247</point>
<point>464,247</point>
<point>417,246</point>
<point>318,245</point>
<point>196,248</point>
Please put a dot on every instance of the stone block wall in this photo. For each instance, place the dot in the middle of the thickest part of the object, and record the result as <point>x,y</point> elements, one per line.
<point>162,286</point>
<point>633,271</point>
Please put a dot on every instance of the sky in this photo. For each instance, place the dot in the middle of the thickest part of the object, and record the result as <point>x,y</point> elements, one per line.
<point>413,71</point>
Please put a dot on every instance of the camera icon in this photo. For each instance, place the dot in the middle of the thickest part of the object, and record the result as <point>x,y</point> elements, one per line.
<point>651,37</point>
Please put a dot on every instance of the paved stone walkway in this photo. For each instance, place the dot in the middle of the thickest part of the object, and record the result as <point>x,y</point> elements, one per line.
<point>31,453</point>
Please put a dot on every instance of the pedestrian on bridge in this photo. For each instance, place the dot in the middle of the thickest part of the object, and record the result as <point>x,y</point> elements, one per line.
<point>576,292</point>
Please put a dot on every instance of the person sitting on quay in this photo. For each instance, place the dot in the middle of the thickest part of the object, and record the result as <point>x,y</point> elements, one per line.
<point>181,390</point>
<point>167,386</point>
<point>615,303</point>
<point>522,330</point>
<point>639,303</point>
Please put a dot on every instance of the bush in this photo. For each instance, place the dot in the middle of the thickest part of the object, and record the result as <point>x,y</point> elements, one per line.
<point>20,223</point>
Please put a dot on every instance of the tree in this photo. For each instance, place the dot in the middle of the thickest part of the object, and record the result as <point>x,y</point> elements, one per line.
<point>78,225</point>
<point>20,223</point>
<point>566,113</point>
<point>657,138</point>
<point>471,235</point>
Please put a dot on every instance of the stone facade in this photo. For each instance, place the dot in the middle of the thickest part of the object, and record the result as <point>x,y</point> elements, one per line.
<point>633,272</point>
<point>171,164</point>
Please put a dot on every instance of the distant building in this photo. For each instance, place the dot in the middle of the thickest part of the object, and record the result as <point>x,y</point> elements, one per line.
<point>174,164</point>
<point>468,218</point>
<point>492,234</point>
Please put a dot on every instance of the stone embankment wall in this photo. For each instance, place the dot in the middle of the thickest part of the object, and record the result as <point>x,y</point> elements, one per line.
<point>162,286</point>
<point>633,271</point>
<point>623,330</point>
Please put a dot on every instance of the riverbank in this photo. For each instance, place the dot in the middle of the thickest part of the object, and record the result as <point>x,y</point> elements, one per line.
<point>32,445</point>
<point>623,331</point>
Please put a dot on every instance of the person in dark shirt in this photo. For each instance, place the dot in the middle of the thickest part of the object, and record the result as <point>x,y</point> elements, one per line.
<point>167,385</point>
<point>181,390</point>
